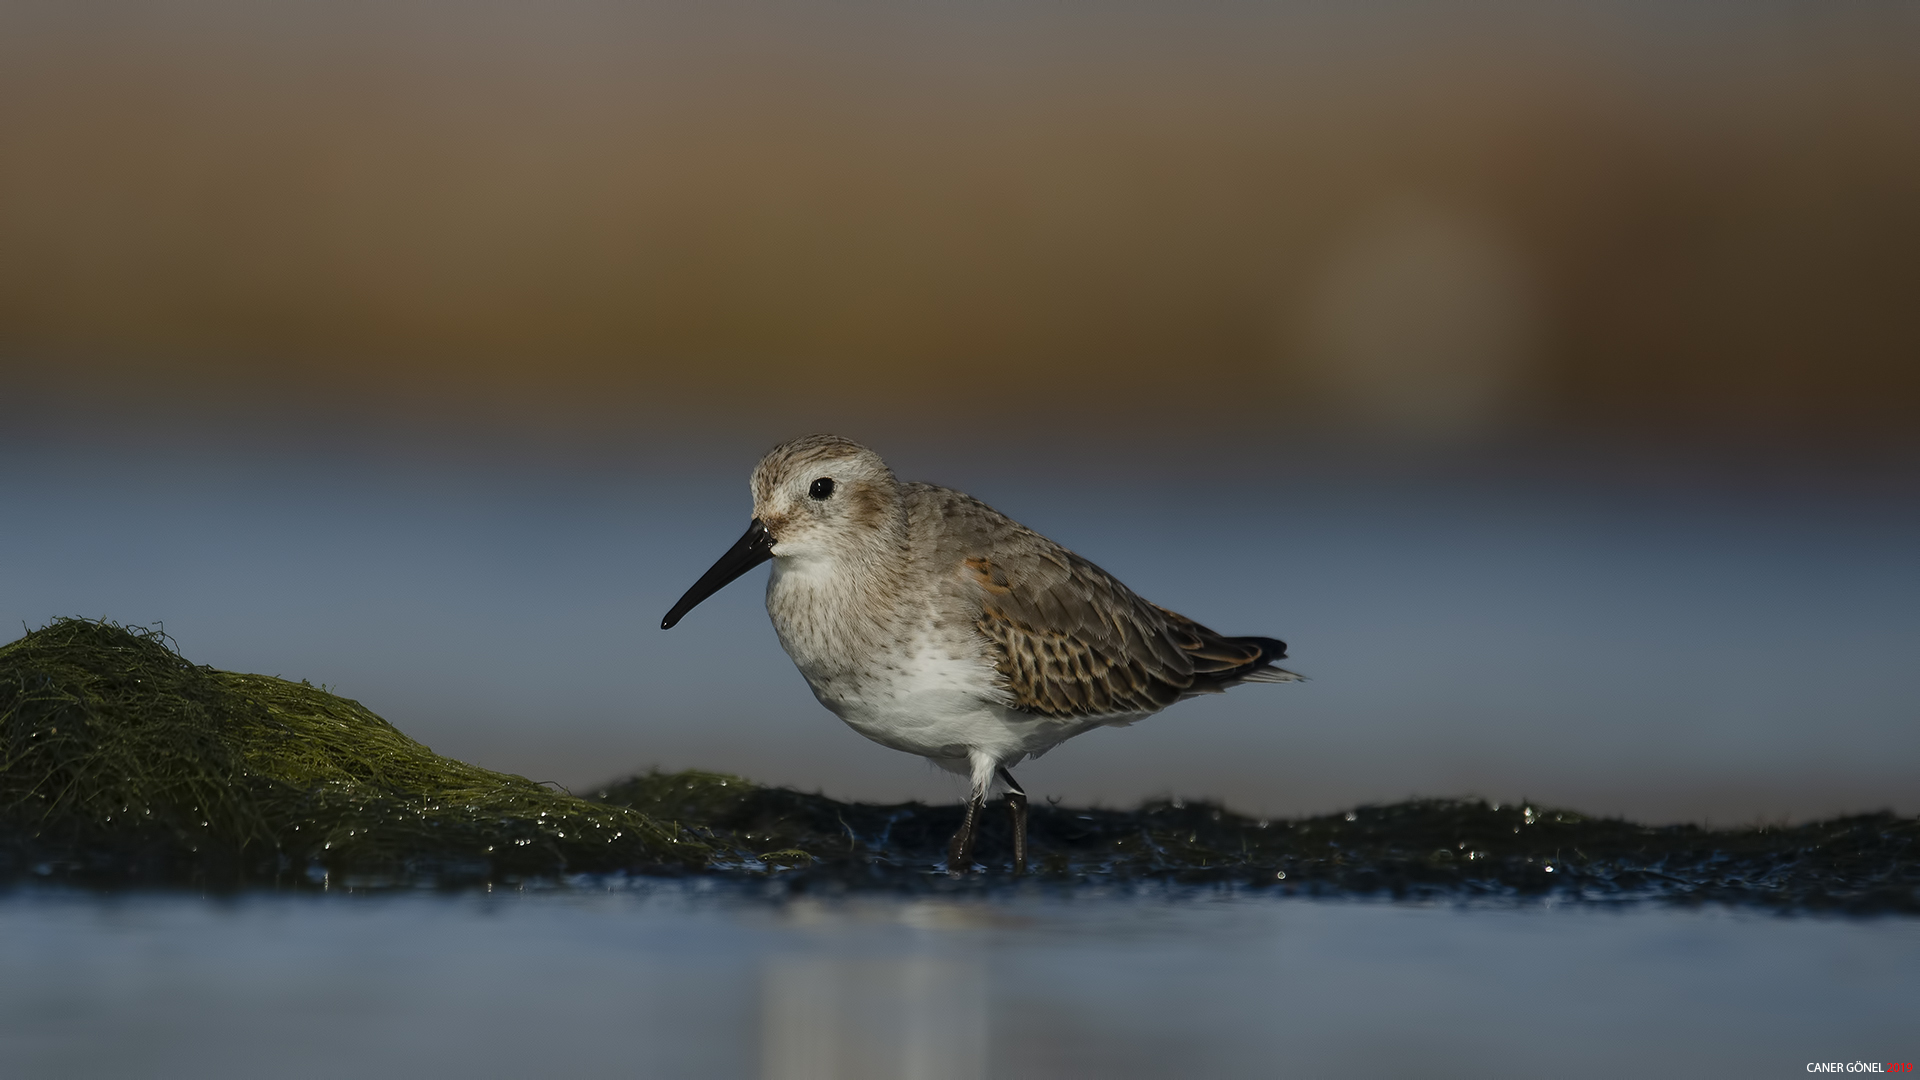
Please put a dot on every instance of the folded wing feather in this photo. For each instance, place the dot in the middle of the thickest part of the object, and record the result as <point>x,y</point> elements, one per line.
<point>1070,641</point>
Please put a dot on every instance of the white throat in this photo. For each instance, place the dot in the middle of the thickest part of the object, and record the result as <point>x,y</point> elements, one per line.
<point>832,612</point>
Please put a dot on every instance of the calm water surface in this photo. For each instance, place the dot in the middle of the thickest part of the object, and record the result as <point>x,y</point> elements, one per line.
<point>686,981</point>
<point>1679,650</point>
<point>1665,652</point>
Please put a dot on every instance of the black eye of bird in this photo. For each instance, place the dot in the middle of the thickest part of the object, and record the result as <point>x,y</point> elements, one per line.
<point>822,488</point>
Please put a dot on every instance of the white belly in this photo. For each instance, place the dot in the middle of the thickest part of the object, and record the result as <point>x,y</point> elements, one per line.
<point>924,701</point>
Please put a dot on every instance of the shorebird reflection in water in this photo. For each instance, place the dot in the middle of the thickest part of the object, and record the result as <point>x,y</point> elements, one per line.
<point>934,624</point>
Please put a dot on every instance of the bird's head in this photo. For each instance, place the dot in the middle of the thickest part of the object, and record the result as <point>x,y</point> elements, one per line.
<point>822,494</point>
<point>816,497</point>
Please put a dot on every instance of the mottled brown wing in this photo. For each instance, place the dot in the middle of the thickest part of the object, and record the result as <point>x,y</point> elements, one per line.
<point>1073,642</point>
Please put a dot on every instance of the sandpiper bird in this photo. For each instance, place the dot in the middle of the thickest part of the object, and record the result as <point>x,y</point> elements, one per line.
<point>934,624</point>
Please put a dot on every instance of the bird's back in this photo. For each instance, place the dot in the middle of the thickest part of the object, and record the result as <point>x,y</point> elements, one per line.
<point>1069,641</point>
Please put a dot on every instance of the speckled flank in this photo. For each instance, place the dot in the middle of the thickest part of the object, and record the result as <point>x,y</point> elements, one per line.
<point>934,624</point>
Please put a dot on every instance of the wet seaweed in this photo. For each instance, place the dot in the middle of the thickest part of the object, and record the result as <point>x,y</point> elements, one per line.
<point>122,763</point>
<point>1420,849</point>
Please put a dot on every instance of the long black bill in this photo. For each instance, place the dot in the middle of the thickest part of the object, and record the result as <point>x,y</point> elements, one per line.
<point>753,549</point>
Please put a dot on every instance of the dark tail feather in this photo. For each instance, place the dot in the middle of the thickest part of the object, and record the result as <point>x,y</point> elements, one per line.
<point>1228,661</point>
<point>1263,669</point>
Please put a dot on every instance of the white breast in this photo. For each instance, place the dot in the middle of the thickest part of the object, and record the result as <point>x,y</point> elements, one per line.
<point>907,680</point>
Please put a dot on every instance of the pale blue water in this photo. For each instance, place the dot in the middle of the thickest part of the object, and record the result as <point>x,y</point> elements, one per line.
<point>1692,649</point>
<point>679,982</point>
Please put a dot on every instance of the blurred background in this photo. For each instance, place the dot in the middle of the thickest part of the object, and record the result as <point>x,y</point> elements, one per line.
<point>1549,377</point>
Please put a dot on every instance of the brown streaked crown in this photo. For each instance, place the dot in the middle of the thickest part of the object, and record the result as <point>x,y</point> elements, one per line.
<point>865,503</point>
<point>813,451</point>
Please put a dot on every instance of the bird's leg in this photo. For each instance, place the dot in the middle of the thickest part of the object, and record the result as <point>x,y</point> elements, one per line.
<point>1017,804</point>
<point>960,849</point>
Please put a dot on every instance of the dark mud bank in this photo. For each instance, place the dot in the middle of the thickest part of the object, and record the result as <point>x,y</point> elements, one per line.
<point>123,764</point>
<point>1423,849</point>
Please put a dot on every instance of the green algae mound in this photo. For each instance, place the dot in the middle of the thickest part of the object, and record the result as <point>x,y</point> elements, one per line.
<point>122,762</point>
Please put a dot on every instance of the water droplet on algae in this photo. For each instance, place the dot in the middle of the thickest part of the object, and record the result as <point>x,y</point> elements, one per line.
<point>1281,876</point>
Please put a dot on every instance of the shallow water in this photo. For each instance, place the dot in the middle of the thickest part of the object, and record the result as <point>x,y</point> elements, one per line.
<point>700,981</point>
<point>1663,651</point>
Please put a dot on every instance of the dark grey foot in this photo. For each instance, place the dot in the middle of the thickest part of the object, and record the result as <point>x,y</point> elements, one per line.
<point>1017,805</point>
<point>960,848</point>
